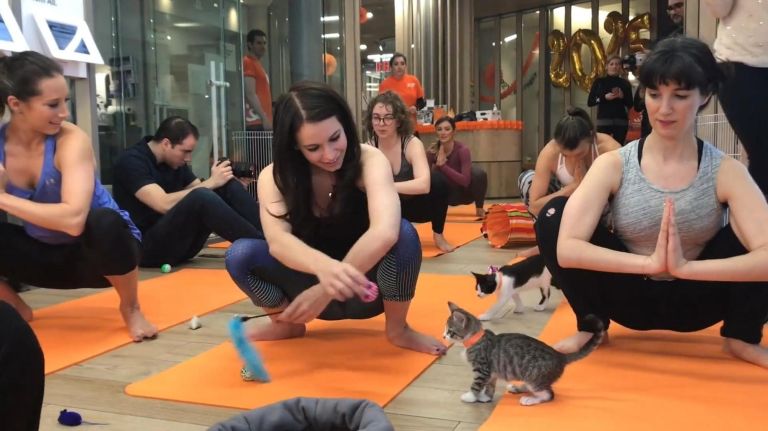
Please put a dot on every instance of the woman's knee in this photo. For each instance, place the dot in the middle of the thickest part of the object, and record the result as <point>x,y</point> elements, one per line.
<point>244,255</point>
<point>547,226</point>
<point>408,242</point>
<point>109,239</point>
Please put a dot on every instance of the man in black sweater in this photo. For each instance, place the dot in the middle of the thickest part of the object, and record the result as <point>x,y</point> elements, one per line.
<point>175,211</point>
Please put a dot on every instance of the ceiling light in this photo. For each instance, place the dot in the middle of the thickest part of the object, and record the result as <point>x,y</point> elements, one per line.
<point>331,18</point>
<point>331,36</point>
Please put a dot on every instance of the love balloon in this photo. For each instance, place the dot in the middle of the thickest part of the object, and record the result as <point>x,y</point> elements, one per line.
<point>620,30</point>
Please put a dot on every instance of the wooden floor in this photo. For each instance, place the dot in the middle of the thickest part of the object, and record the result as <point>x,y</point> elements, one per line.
<point>95,387</point>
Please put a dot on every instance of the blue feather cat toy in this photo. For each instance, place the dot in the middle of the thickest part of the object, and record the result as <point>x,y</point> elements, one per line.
<point>254,366</point>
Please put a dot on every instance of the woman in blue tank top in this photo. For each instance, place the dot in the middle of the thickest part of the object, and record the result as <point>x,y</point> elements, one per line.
<point>670,259</point>
<point>73,234</point>
<point>332,222</point>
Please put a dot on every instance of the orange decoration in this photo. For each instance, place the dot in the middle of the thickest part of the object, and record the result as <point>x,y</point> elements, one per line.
<point>330,64</point>
<point>363,15</point>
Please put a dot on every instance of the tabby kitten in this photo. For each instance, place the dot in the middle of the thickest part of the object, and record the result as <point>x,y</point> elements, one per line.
<point>509,280</point>
<point>512,357</point>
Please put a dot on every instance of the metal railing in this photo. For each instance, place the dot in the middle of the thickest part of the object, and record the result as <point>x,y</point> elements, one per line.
<point>252,149</point>
<point>715,129</point>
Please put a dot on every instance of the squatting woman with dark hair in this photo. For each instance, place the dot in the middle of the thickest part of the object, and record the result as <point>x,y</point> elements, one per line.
<point>73,234</point>
<point>671,258</point>
<point>331,218</point>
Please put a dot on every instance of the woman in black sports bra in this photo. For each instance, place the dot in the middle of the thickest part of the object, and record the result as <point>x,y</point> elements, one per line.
<point>423,197</point>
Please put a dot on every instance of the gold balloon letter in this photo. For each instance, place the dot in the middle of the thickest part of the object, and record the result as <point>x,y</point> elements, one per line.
<point>558,45</point>
<point>640,22</point>
<point>616,25</point>
<point>588,37</point>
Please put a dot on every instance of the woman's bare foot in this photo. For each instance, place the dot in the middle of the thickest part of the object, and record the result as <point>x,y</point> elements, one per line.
<point>10,296</point>
<point>753,353</point>
<point>442,243</point>
<point>576,341</point>
<point>480,212</point>
<point>137,324</point>
<point>528,252</point>
<point>407,338</point>
<point>275,330</point>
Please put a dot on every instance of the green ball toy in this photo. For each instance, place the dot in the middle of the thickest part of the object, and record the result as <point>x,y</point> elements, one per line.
<point>165,268</point>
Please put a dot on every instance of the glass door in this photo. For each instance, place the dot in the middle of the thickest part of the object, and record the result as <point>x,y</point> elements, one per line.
<point>193,53</point>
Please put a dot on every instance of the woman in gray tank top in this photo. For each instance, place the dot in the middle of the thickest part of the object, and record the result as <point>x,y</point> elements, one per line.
<point>670,260</point>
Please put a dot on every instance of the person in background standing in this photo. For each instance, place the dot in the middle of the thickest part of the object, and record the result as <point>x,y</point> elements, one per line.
<point>613,96</point>
<point>741,48</point>
<point>676,13</point>
<point>258,96</point>
<point>404,85</point>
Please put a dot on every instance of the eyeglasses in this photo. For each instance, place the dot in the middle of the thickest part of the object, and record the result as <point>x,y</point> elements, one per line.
<point>674,6</point>
<point>385,120</point>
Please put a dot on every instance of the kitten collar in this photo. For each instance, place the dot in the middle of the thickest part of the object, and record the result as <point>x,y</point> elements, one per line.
<point>494,270</point>
<point>471,341</point>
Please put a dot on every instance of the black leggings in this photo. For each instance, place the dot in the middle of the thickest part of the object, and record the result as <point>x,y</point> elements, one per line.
<point>640,303</point>
<point>181,233</point>
<point>748,83</point>
<point>431,207</point>
<point>22,373</point>
<point>106,247</point>
<point>474,193</point>
<point>618,132</point>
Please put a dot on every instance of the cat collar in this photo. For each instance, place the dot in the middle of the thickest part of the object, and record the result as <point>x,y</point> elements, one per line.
<point>471,341</point>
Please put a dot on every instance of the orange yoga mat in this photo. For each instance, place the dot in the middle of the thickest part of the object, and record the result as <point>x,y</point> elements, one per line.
<point>657,380</point>
<point>349,358</point>
<point>77,330</point>
<point>457,234</point>
<point>462,213</point>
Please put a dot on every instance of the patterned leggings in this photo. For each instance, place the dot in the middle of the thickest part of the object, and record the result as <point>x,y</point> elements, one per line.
<point>271,284</point>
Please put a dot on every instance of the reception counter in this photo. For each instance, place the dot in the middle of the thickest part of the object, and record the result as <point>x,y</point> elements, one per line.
<point>496,147</point>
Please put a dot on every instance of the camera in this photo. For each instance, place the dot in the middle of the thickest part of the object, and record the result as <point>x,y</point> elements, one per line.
<point>631,62</point>
<point>240,169</point>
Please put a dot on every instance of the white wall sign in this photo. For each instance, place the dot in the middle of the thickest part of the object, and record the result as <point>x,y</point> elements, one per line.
<point>11,38</point>
<point>58,29</point>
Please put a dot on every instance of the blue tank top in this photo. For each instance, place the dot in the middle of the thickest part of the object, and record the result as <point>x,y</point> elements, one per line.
<point>48,190</point>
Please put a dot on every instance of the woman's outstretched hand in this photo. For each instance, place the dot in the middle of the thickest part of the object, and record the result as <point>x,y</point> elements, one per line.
<point>306,307</point>
<point>342,281</point>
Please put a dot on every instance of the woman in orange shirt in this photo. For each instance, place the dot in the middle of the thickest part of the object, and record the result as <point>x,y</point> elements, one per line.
<point>403,84</point>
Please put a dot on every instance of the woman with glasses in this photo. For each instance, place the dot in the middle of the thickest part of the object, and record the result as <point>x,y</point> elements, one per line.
<point>612,95</point>
<point>331,218</point>
<point>676,14</point>
<point>451,159</point>
<point>423,197</point>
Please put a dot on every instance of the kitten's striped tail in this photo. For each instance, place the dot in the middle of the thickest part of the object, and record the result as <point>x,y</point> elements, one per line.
<point>597,329</point>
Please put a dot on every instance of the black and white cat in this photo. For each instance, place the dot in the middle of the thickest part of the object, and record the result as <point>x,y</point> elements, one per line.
<point>512,357</point>
<point>509,280</point>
